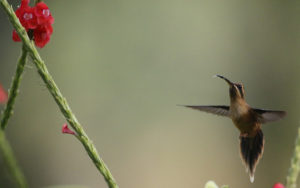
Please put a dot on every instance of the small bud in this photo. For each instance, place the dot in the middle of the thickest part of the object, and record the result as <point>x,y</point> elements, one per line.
<point>65,129</point>
<point>3,95</point>
<point>211,184</point>
<point>278,185</point>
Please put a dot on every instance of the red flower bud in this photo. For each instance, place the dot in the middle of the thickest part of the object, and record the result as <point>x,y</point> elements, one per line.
<point>25,3</point>
<point>278,185</point>
<point>15,36</point>
<point>3,95</point>
<point>65,129</point>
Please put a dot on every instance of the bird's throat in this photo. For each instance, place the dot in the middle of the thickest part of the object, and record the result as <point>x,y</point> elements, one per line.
<point>238,108</point>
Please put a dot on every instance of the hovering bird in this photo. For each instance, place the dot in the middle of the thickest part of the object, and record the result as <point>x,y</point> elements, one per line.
<point>248,120</point>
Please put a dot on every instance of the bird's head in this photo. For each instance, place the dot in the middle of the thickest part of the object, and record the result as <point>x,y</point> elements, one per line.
<point>236,90</point>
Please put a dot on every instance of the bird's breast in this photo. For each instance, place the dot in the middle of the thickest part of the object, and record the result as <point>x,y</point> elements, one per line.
<point>238,110</point>
<point>244,119</point>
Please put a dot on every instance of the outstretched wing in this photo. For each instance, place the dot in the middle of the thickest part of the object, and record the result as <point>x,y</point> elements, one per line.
<point>266,116</point>
<point>218,110</point>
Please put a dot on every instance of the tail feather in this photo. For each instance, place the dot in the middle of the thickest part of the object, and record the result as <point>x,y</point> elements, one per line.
<point>251,151</point>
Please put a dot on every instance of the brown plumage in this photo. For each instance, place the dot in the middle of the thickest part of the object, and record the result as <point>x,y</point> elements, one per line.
<point>251,149</point>
<point>248,120</point>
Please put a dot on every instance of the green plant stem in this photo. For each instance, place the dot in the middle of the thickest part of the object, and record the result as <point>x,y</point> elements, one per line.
<point>11,161</point>
<point>58,97</point>
<point>5,148</point>
<point>14,89</point>
<point>295,165</point>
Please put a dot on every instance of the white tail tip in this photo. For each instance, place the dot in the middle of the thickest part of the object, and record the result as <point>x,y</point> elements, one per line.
<point>251,178</point>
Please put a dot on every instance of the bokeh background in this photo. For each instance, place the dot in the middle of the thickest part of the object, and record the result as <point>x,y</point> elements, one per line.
<point>124,66</point>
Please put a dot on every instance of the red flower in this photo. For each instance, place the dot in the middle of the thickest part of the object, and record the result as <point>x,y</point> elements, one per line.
<point>278,185</point>
<point>26,15</point>
<point>42,35</point>
<point>3,95</point>
<point>43,14</point>
<point>37,19</point>
<point>65,129</point>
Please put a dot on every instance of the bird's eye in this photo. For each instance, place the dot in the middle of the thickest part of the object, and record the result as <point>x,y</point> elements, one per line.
<point>239,86</point>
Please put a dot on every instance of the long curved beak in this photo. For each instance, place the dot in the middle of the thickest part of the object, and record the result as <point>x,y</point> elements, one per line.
<point>222,77</point>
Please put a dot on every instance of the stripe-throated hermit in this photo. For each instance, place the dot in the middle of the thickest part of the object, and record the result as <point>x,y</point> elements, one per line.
<point>248,120</point>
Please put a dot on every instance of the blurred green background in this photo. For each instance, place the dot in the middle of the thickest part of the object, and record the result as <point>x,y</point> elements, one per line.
<point>124,66</point>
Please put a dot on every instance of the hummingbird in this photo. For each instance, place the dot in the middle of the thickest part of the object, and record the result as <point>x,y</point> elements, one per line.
<point>248,120</point>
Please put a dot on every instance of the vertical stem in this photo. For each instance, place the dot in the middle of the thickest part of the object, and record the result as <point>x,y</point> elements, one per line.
<point>295,165</point>
<point>11,161</point>
<point>14,89</point>
<point>5,147</point>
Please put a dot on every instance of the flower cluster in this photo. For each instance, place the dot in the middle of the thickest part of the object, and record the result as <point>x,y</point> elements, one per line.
<point>37,21</point>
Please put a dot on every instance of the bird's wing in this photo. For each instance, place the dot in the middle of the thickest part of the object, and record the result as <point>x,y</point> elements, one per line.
<point>266,116</point>
<point>218,110</point>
